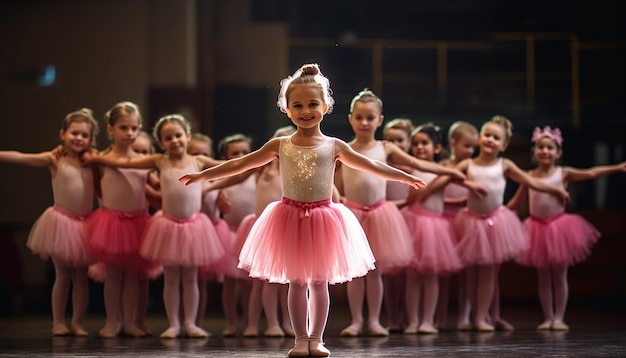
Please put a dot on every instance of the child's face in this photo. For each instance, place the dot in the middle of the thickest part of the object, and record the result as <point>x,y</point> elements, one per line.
<point>306,106</point>
<point>77,137</point>
<point>237,149</point>
<point>142,145</point>
<point>464,146</point>
<point>546,151</point>
<point>173,138</point>
<point>125,130</point>
<point>422,147</point>
<point>365,119</point>
<point>492,139</point>
<point>198,147</point>
<point>398,137</point>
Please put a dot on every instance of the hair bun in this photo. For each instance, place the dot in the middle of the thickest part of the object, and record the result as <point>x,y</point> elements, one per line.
<point>310,69</point>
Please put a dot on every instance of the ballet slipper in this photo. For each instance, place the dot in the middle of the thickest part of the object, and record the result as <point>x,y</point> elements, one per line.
<point>353,330</point>
<point>60,329</point>
<point>288,330</point>
<point>463,326</point>
<point>427,329</point>
<point>503,325</point>
<point>484,327</point>
<point>108,332</point>
<point>133,331</point>
<point>376,330</point>
<point>274,332</point>
<point>544,326</point>
<point>300,349</point>
<point>171,333</point>
<point>317,349</point>
<point>411,329</point>
<point>78,331</point>
<point>194,331</point>
<point>250,332</point>
<point>560,326</point>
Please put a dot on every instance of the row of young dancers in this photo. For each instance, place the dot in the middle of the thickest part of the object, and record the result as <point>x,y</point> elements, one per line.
<point>304,239</point>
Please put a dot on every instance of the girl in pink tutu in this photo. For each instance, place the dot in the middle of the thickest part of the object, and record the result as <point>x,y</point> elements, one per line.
<point>462,141</point>
<point>305,239</point>
<point>397,131</point>
<point>488,232</point>
<point>179,236</point>
<point>382,222</point>
<point>433,236</point>
<point>557,239</point>
<point>60,233</point>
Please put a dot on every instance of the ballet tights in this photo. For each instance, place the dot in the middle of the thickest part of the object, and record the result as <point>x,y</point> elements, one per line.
<point>308,335</point>
<point>229,302</point>
<point>174,277</point>
<point>442,302</point>
<point>255,309</point>
<point>486,275</point>
<point>64,275</point>
<point>272,297</point>
<point>417,285</point>
<point>553,293</point>
<point>372,286</point>
<point>394,287</point>
<point>120,286</point>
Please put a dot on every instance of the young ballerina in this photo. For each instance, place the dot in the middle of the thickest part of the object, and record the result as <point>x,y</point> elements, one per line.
<point>462,142</point>
<point>306,240</point>
<point>59,233</point>
<point>557,239</point>
<point>488,232</point>
<point>397,131</point>
<point>382,222</point>
<point>433,236</point>
<point>179,237</point>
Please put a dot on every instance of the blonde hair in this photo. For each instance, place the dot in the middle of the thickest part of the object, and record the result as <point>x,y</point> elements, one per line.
<point>307,75</point>
<point>222,146</point>
<point>366,96</point>
<point>83,115</point>
<point>403,124</point>
<point>503,122</point>
<point>284,131</point>
<point>459,128</point>
<point>122,109</point>
<point>178,118</point>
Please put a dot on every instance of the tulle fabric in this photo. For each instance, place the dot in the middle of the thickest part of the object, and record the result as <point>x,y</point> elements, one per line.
<point>306,242</point>
<point>387,234</point>
<point>489,239</point>
<point>216,269</point>
<point>433,242</point>
<point>116,237</point>
<point>62,236</point>
<point>562,240</point>
<point>190,241</point>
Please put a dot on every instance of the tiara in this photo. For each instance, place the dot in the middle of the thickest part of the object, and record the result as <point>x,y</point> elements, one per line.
<point>554,134</point>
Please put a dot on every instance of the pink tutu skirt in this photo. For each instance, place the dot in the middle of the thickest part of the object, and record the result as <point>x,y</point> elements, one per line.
<point>191,241</point>
<point>115,238</point>
<point>293,241</point>
<point>490,238</point>
<point>216,270</point>
<point>433,242</point>
<point>61,235</point>
<point>561,240</point>
<point>387,234</point>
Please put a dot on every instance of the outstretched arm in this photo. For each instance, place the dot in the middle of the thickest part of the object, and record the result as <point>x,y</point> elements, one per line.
<point>360,162</point>
<point>43,159</point>
<point>146,162</point>
<point>398,156</point>
<point>251,160</point>
<point>513,172</point>
<point>574,174</point>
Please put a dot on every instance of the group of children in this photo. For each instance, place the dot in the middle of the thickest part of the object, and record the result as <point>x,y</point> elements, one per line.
<point>389,217</point>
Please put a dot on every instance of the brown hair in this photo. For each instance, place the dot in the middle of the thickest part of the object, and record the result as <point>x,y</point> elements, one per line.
<point>83,115</point>
<point>366,96</point>
<point>307,75</point>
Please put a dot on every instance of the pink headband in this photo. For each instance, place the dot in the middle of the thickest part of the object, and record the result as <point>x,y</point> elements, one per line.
<point>554,134</point>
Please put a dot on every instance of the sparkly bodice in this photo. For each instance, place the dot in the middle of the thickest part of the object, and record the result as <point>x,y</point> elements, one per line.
<point>544,205</point>
<point>72,188</point>
<point>492,178</point>
<point>307,172</point>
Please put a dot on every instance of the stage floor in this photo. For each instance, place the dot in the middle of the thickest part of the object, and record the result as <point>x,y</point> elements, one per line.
<point>595,332</point>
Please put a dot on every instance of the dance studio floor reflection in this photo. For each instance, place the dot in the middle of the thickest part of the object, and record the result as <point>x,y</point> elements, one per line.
<point>594,333</point>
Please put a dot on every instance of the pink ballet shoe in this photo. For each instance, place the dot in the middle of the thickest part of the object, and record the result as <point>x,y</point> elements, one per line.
<point>250,332</point>
<point>463,326</point>
<point>427,329</point>
<point>300,349</point>
<point>411,329</point>
<point>560,326</point>
<point>376,330</point>
<point>78,331</point>
<point>544,326</point>
<point>194,331</point>
<point>171,333</point>
<point>274,332</point>
<point>317,349</point>
<point>484,327</point>
<point>133,331</point>
<point>352,330</point>
<point>229,333</point>
<point>60,329</point>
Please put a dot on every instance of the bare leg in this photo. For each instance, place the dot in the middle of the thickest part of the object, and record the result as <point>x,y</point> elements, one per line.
<point>202,301</point>
<point>442,302</point>
<point>60,292</point>
<point>467,297</point>
<point>394,295</point>
<point>143,293</point>
<point>80,296</point>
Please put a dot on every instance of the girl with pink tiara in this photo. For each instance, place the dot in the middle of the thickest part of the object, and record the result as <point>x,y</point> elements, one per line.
<point>306,240</point>
<point>397,131</point>
<point>488,232</point>
<point>382,222</point>
<point>557,239</point>
<point>115,231</point>
<point>433,236</point>
<point>462,141</point>
<point>59,233</point>
<point>179,237</point>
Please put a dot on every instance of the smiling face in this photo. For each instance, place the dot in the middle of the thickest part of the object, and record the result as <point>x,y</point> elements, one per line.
<point>77,137</point>
<point>422,147</point>
<point>173,138</point>
<point>492,139</point>
<point>546,151</point>
<point>305,106</point>
<point>365,119</point>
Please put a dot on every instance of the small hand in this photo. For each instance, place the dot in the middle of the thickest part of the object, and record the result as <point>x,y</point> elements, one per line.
<point>88,156</point>
<point>416,183</point>
<point>58,152</point>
